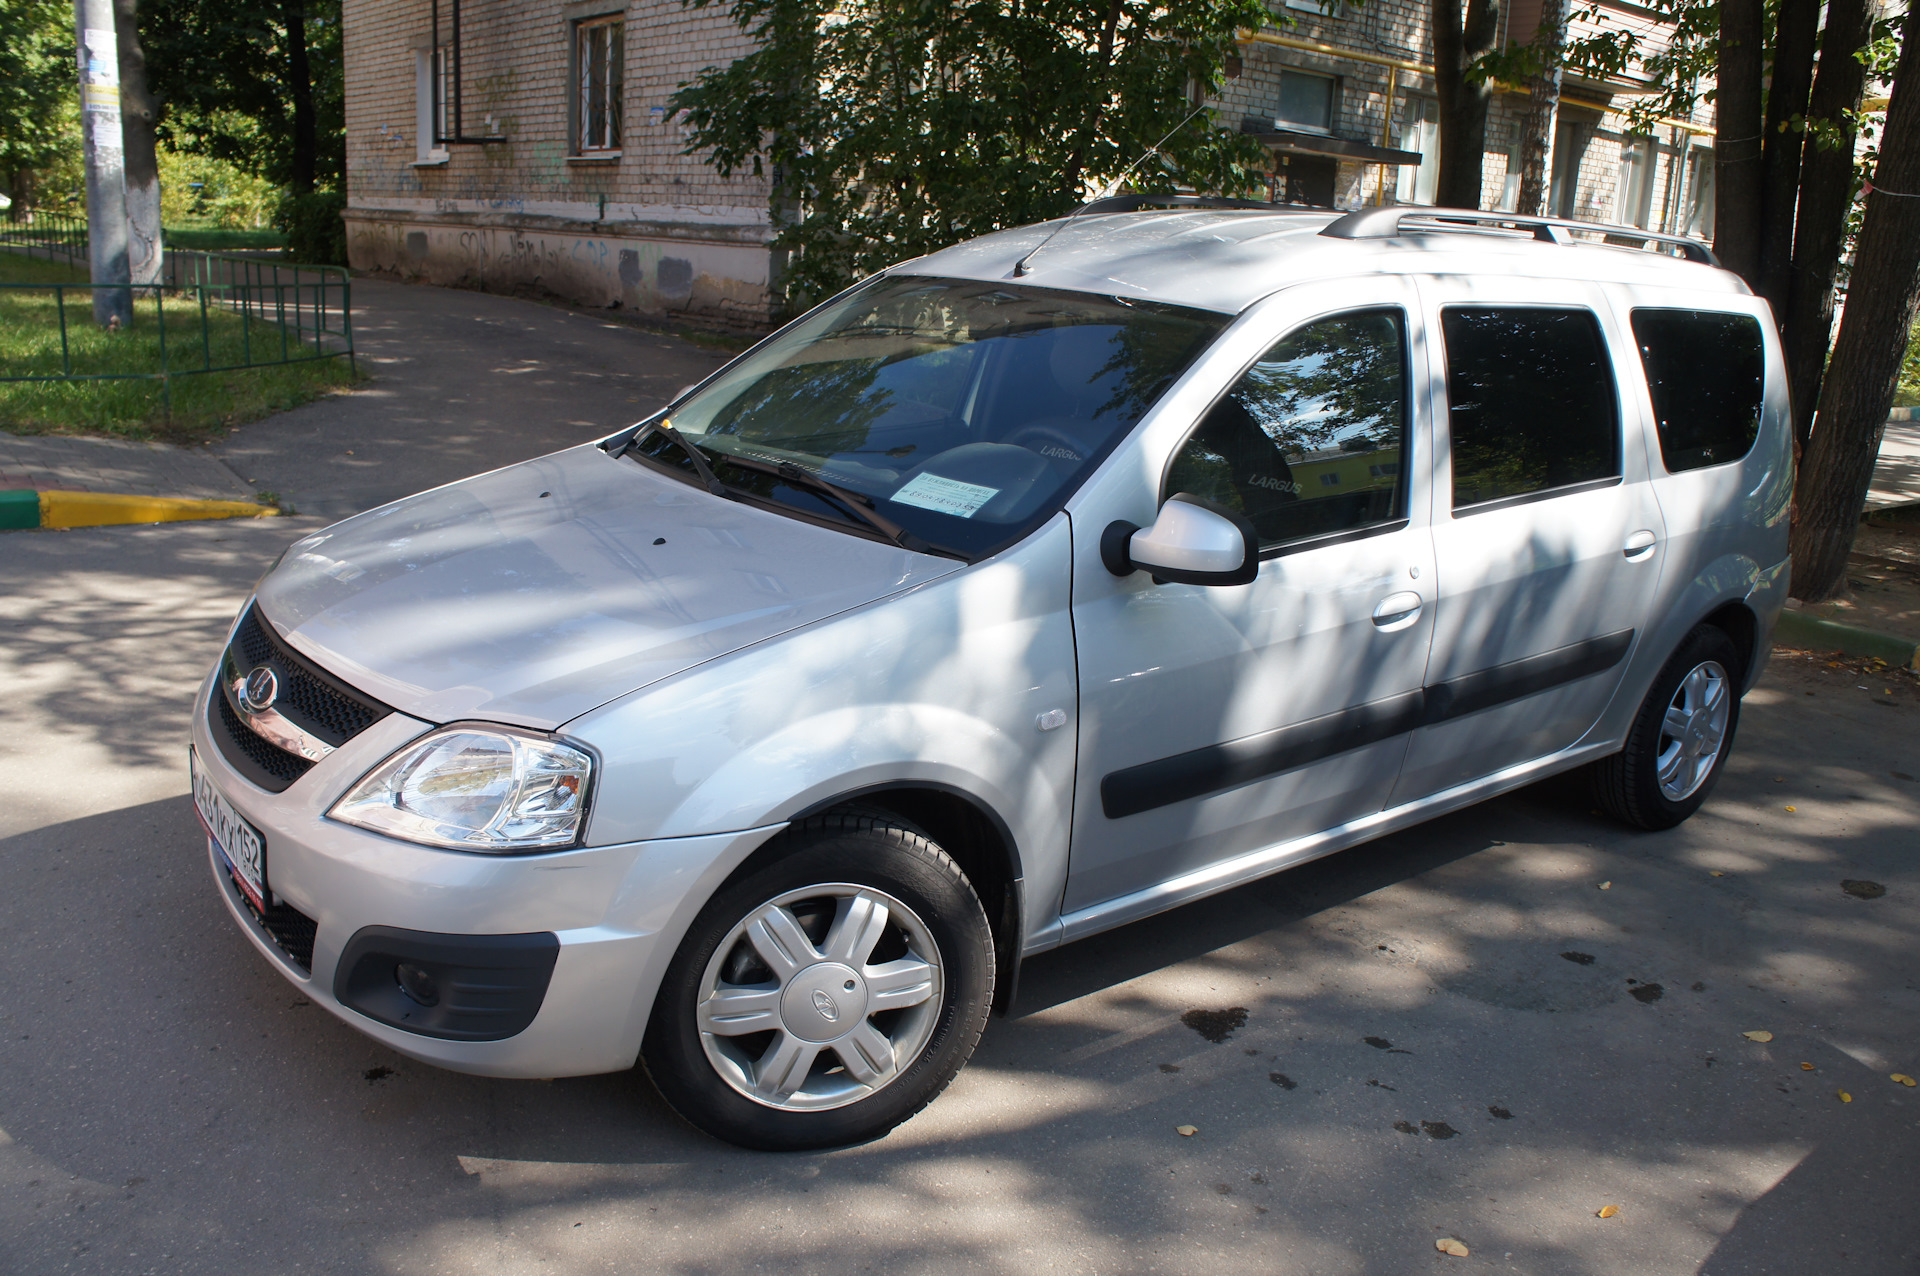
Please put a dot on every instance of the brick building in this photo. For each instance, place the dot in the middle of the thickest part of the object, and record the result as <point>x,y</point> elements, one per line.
<point>531,144</point>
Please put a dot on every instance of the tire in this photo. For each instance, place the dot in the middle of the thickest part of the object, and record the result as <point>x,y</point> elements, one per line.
<point>755,991</point>
<point>1693,744</point>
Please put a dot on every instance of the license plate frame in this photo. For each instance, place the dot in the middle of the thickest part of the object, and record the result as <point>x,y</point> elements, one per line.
<point>241,847</point>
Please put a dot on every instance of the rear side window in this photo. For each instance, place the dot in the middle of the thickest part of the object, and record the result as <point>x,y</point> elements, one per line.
<point>1311,440</point>
<point>1705,372</point>
<point>1531,399</point>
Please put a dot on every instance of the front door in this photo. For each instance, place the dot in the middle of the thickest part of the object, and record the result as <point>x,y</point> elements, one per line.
<point>1548,538</point>
<point>1221,721</point>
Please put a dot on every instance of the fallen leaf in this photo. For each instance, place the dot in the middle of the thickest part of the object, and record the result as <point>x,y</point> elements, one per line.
<point>1606,1211</point>
<point>1448,1245</point>
<point>1186,1131</point>
<point>1792,809</point>
<point>1844,1096</point>
<point>1714,872</point>
<point>1606,886</point>
<point>1903,1078</point>
<point>1806,1067</point>
<point>1761,1036</point>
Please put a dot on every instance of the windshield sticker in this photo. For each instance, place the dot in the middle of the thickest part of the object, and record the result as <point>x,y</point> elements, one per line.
<point>945,495</point>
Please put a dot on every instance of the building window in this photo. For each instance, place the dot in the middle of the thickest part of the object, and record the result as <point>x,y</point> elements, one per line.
<point>1320,8</point>
<point>1700,192</point>
<point>599,53</point>
<point>1570,139</point>
<point>1633,194</point>
<point>430,90</point>
<point>1420,131</point>
<point>1306,101</point>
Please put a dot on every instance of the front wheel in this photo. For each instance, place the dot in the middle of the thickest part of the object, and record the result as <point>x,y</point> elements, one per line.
<point>827,997</point>
<point>1680,739</point>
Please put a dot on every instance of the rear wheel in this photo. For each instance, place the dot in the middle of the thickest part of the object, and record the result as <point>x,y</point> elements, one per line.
<point>827,997</point>
<point>1680,739</point>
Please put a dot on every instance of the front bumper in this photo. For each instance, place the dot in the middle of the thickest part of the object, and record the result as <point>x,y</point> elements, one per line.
<point>618,912</point>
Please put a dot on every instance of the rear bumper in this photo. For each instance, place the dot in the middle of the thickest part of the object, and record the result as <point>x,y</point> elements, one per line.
<point>616,913</point>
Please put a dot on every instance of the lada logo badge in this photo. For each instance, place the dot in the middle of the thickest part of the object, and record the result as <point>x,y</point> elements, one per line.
<point>824,1004</point>
<point>261,691</point>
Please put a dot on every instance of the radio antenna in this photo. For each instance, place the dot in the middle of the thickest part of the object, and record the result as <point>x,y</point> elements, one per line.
<point>1020,267</point>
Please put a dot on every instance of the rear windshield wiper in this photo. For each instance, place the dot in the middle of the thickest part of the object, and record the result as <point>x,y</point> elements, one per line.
<point>860,507</point>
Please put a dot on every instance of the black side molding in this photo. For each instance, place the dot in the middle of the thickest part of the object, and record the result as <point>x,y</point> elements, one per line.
<point>460,987</point>
<point>1217,767</point>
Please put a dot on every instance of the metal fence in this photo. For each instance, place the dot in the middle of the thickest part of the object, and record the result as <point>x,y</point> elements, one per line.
<point>286,313</point>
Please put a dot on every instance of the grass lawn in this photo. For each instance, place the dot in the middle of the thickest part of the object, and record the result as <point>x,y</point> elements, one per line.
<point>213,239</point>
<point>203,405</point>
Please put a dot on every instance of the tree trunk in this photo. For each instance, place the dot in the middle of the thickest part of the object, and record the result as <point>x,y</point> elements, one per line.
<point>1795,32</point>
<point>300,86</point>
<point>1826,193</point>
<point>1457,42</point>
<point>1737,173</point>
<point>138,112</point>
<point>1859,387</point>
<point>1543,112</point>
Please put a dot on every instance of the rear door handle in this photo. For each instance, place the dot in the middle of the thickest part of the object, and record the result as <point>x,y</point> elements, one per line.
<point>1397,611</point>
<point>1639,546</point>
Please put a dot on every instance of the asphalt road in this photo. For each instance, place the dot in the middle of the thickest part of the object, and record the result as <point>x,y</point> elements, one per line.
<point>1453,1033</point>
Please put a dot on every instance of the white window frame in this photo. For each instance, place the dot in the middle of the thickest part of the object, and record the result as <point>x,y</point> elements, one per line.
<point>1419,131</point>
<point>1700,192</point>
<point>429,108</point>
<point>1633,191</point>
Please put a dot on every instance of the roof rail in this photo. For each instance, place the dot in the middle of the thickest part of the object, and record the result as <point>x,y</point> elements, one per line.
<point>1132,203</point>
<point>1384,223</point>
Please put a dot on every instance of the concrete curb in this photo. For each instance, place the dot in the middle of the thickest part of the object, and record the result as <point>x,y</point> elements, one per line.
<point>25,508</point>
<point>1797,628</point>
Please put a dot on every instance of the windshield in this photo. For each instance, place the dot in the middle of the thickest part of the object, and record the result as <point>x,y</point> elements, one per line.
<point>963,412</point>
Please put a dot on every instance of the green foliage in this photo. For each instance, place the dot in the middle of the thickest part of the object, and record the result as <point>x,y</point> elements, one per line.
<point>312,224</point>
<point>1907,394</point>
<point>892,128</point>
<point>225,74</point>
<point>39,108</point>
<point>197,189</point>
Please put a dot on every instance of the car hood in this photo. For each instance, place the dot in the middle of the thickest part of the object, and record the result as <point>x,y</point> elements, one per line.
<point>535,593</point>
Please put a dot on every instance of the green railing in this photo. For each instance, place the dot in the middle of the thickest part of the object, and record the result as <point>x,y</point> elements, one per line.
<point>50,233</point>
<point>209,313</point>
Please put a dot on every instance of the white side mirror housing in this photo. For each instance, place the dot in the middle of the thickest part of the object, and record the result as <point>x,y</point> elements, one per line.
<point>1192,542</point>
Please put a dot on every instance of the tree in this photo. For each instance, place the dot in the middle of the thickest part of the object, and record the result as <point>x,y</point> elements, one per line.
<point>39,114</point>
<point>1837,466</point>
<point>138,115</point>
<point>1462,41</point>
<point>258,83</point>
<point>1543,108</point>
<point>892,128</point>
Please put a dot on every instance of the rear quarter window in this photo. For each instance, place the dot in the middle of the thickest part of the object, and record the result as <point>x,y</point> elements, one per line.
<point>1706,373</point>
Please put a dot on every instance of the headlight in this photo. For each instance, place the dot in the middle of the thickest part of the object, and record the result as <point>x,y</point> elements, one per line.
<point>475,789</point>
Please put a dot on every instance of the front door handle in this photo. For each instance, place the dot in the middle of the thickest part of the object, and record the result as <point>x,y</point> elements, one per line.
<point>1639,546</point>
<point>1397,611</point>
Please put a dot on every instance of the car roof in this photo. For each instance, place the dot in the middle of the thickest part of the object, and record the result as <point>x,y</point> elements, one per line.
<point>1227,259</point>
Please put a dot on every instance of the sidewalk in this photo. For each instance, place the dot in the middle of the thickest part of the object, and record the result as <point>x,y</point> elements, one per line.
<point>461,382</point>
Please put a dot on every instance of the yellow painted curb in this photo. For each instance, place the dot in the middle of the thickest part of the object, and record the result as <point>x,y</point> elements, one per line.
<point>97,509</point>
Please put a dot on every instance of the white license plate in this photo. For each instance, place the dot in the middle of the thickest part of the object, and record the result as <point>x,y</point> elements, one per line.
<point>237,842</point>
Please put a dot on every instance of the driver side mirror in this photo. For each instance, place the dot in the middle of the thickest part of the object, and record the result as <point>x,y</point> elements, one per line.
<point>1191,542</point>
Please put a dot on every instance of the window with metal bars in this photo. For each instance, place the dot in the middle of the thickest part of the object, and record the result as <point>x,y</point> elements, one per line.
<point>599,58</point>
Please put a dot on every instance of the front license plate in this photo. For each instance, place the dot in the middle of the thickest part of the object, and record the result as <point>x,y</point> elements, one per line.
<point>237,842</point>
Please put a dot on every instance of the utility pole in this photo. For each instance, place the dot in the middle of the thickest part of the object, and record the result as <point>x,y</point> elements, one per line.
<point>99,58</point>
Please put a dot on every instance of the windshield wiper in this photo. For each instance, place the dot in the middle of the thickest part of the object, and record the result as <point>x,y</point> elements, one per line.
<point>853,503</point>
<point>664,428</point>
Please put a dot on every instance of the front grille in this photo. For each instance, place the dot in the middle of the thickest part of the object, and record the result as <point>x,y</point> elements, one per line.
<point>267,765</point>
<point>292,930</point>
<point>310,698</point>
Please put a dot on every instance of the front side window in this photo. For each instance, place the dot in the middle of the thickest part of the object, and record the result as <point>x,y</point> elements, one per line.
<point>964,412</point>
<point>1706,373</point>
<point>1531,402</point>
<point>1311,441</point>
<point>599,58</point>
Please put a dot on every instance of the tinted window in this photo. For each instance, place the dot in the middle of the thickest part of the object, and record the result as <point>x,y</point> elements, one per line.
<point>1310,441</point>
<point>1705,371</point>
<point>965,412</point>
<point>1531,398</point>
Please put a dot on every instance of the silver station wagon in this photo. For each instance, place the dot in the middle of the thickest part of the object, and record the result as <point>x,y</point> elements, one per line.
<point>1019,592</point>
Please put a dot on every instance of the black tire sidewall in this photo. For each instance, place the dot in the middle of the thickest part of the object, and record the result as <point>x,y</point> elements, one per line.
<point>865,852</point>
<point>1650,808</point>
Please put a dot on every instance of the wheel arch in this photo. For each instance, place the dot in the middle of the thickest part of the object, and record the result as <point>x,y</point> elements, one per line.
<point>1737,621</point>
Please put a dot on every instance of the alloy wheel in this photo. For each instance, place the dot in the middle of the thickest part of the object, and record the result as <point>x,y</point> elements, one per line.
<point>1693,730</point>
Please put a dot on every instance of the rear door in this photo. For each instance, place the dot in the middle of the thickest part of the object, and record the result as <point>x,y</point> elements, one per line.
<point>1547,538</point>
